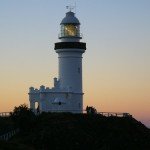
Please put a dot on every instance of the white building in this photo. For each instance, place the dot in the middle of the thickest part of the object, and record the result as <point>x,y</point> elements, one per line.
<point>67,94</point>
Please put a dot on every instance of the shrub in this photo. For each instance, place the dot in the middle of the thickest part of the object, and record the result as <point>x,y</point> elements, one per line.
<point>23,117</point>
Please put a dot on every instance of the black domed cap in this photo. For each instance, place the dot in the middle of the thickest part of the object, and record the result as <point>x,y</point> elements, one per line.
<point>70,19</point>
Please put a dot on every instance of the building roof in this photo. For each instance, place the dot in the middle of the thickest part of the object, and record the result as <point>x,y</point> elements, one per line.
<point>70,19</point>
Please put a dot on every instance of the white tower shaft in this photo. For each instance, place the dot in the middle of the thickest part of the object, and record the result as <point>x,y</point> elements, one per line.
<point>70,70</point>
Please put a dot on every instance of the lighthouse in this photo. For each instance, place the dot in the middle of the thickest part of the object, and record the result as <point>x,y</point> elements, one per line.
<point>67,93</point>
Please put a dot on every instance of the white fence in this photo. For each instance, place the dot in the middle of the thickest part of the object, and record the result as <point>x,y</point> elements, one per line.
<point>114,114</point>
<point>9,135</point>
<point>4,114</point>
<point>106,114</point>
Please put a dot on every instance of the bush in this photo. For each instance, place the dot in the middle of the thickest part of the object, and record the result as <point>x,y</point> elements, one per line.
<point>23,117</point>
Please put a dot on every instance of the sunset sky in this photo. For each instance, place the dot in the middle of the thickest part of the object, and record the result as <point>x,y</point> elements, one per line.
<point>116,65</point>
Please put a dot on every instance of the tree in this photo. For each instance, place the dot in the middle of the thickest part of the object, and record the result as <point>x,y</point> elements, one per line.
<point>23,117</point>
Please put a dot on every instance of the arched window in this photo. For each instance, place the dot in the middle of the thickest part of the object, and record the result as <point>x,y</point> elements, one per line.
<point>36,105</point>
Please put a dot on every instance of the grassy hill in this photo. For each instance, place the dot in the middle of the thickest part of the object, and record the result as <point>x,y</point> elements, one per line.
<point>80,131</point>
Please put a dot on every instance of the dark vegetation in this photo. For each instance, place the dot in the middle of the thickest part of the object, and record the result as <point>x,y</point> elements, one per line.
<point>58,131</point>
<point>6,125</point>
<point>23,117</point>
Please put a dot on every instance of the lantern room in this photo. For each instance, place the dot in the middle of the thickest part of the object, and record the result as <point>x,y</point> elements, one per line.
<point>70,26</point>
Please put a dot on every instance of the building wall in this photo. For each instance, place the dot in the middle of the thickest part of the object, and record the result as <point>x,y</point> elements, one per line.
<point>57,101</point>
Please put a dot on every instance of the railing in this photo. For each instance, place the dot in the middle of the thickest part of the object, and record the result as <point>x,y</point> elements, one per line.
<point>106,114</point>
<point>58,111</point>
<point>114,114</point>
<point>4,114</point>
<point>61,35</point>
<point>110,114</point>
<point>9,135</point>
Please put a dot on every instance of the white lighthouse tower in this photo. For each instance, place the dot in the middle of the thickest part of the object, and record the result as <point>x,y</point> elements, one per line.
<point>67,93</point>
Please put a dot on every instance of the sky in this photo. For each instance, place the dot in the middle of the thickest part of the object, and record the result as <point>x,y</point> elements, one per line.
<point>116,65</point>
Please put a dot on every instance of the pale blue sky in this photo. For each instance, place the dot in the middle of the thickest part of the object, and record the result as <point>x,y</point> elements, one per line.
<point>116,63</point>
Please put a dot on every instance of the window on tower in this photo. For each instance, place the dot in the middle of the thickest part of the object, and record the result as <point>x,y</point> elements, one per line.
<point>79,70</point>
<point>79,105</point>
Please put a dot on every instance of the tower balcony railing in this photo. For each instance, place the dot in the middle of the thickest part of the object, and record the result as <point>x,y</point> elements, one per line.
<point>72,45</point>
<point>61,35</point>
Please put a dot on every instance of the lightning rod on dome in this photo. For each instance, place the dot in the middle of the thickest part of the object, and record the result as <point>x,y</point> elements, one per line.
<point>71,7</point>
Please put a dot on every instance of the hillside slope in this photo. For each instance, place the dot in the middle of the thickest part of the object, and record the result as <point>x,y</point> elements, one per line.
<point>93,132</point>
